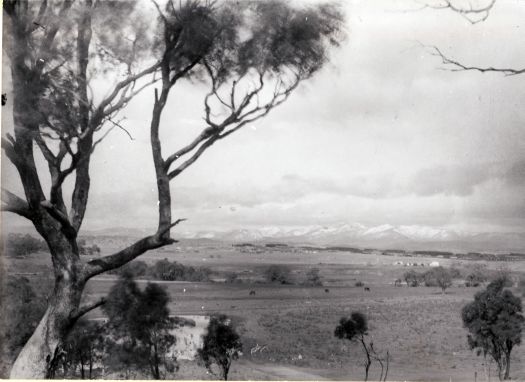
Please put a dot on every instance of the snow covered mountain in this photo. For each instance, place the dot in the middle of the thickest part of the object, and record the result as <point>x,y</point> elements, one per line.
<point>382,236</point>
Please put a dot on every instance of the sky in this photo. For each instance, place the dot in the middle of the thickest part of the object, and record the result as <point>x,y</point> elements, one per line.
<point>383,134</point>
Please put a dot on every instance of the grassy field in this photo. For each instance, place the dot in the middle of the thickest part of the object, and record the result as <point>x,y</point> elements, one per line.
<point>420,327</point>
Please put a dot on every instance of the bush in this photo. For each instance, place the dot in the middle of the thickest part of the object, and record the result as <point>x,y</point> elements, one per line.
<point>313,278</point>
<point>278,274</point>
<point>232,277</point>
<point>438,277</point>
<point>135,268</point>
<point>18,245</point>
<point>359,283</point>
<point>173,271</point>
<point>412,278</point>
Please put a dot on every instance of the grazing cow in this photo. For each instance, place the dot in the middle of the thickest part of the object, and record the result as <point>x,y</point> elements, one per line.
<point>367,289</point>
<point>252,293</point>
<point>327,290</point>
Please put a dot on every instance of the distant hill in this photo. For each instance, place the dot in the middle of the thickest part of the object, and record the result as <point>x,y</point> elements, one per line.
<point>384,236</point>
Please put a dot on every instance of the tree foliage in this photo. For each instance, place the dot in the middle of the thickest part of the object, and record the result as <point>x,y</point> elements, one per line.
<point>313,278</point>
<point>83,350</point>
<point>140,326</point>
<point>221,344</point>
<point>495,324</point>
<point>278,273</point>
<point>440,277</point>
<point>18,245</point>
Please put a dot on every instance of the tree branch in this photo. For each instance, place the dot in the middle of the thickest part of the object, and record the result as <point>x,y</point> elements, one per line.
<point>482,12</point>
<point>60,217</point>
<point>88,308</point>
<point>457,66</point>
<point>116,260</point>
<point>15,204</point>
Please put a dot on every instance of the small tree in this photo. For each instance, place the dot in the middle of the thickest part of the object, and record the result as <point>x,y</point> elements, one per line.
<point>278,274</point>
<point>412,278</point>
<point>495,323</point>
<point>355,328</point>
<point>440,277</point>
<point>83,348</point>
<point>313,278</point>
<point>221,344</point>
<point>140,324</point>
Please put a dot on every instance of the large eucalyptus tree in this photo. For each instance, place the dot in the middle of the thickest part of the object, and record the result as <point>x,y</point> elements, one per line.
<point>251,54</point>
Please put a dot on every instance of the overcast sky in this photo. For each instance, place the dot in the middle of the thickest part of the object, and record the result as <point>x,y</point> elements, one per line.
<point>382,135</point>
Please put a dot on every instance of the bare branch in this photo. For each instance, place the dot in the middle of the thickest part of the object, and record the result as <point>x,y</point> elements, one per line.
<point>82,310</point>
<point>457,66</point>
<point>193,158</point>
<point>106,263</point>
<point>15,204</point>
<point>472,14</point>
<point>117,124</point>
<point>176,222</point>
<point>124,83</point>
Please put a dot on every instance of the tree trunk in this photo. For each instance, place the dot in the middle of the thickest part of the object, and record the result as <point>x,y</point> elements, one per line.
<point>507,366</point>
<point>37,359</point>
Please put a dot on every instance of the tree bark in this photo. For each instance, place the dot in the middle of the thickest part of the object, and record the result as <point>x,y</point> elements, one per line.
<point>36,360</point>
<point>507,366</point>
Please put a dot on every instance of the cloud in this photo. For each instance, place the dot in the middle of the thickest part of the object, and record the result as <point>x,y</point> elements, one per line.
<point>457,180</point>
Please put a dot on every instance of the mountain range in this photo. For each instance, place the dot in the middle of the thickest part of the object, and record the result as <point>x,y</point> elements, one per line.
<point>381,237</point>
<point>386,236</point>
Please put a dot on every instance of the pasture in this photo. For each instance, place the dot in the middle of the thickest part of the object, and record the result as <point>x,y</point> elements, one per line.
<point>287,330</point>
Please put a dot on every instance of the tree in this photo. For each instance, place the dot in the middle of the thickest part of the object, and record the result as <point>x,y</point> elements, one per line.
<point>355,328</point>
<point>476,277</point>
<point>22,245</point>
<point>412,278</point>
<point>140,325</point>
<point>221,344</point>
<point>83,348</point>
<point>277,274</point>
<point>440,277</point>
<point>495,324</point>
<point>252,55</point>
<point>313,278</point>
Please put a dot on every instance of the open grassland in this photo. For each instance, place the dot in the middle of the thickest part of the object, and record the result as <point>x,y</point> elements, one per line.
<point>288,329</point>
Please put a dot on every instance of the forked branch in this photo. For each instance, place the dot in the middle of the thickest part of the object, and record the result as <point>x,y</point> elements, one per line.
<point>472,14</point>
<point>456,66</point>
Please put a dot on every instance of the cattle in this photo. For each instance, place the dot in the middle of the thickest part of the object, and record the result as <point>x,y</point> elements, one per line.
<point>252,293</point>
<point>367,289</point>
<point>327,290</point>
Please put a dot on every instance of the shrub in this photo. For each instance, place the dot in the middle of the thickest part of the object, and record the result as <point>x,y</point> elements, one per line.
<point>278,274</point>
<point>232,277</point>
<point>173,271</point>
<point>412,278</point>
<point>439,277</point>
<point>359,283</point>
<point>313,278</point>
<point>135,268</point>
